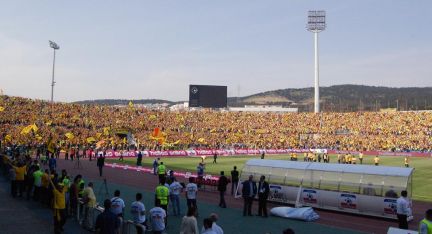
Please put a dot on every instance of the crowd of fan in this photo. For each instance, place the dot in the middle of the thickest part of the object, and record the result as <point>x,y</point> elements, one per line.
<point>393,131</point>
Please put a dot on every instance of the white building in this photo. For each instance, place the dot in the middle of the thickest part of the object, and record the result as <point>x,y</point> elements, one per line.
<point>263,108</point>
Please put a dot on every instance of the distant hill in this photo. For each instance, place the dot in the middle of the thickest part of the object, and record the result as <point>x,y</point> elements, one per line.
<point>342,98</point>
<point>338,98</point>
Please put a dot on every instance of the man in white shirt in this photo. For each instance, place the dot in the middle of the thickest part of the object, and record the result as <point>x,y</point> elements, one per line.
<point>157,215</point>
<point>175,190</point>
<point>402,210</point>
<point>138,213</point>
<point>215,228</point>
<point>191,193</point>
<point>117,204</point>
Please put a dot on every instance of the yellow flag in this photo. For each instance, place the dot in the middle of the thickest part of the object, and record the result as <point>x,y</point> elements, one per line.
<point>91,140</point>
<point>176,142</point>
<point>34,128</point>
<point>98,135</point>
<point>152,117</point>
<point>26,130</point>
<point>69,135</point>
<point>8,138</point>
<point>201,140</point>
<point>38,137</point>
<point>48,123</point>
<point>106,131</point>
<point>51,145</point>
<point>2,109</point>
<point>124,140</point>
<point>131,105</point>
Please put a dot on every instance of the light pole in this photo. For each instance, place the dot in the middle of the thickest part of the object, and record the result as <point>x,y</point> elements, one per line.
<point>316,24</point>
<point>55,47</point>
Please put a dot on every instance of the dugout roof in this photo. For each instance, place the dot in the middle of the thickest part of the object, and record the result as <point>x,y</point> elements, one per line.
<point>341,168</point>
<point>353,178</point>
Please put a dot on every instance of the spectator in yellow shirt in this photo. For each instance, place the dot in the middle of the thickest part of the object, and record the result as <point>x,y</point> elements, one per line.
<point>59,205</point>
<point>89,200</point>
<point>20,171</point>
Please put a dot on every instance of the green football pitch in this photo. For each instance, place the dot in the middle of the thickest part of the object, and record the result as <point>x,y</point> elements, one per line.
<point>422,179</point>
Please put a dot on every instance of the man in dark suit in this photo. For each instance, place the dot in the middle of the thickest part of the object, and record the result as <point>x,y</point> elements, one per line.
<point>263,192</point>
<point>100,163</point>
<point>234,180</point>
<point>249,191</point>
<point>222,186</point>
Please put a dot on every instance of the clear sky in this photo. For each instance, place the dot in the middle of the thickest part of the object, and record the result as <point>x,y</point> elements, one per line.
<point>155,49</point>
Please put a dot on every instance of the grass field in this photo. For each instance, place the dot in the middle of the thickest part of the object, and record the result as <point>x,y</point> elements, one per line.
<point>422,179</point>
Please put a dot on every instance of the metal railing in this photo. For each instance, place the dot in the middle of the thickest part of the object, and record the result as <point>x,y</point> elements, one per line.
<point>126,226</point>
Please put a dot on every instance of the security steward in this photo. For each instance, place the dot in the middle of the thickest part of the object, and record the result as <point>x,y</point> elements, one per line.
<point>161,196</point>
<point>425,226</point>
<point>161,170</point>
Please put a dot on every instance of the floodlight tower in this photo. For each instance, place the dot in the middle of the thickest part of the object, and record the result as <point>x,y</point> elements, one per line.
<point>316,24</point>
<point>55,47</point>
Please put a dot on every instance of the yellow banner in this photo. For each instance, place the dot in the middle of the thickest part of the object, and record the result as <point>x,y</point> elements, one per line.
<point>91,140</point>
<point>69,135</point>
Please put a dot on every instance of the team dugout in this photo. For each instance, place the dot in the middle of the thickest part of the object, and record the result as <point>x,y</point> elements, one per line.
<point>364,189</point>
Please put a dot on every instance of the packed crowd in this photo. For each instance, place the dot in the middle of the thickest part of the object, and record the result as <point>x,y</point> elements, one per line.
<point>85,125</point>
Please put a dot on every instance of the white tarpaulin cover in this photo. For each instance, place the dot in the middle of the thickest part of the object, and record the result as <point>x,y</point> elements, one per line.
<point>304,213</point>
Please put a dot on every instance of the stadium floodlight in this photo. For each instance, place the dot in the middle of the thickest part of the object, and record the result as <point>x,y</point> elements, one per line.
<point>316,23</point>
<point>55,47</point>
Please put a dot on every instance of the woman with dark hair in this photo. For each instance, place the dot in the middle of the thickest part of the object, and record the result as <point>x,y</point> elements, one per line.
<point>189,223</point>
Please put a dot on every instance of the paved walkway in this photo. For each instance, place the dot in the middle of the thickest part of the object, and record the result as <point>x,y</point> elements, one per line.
<point>130,182</point>
<point>19,216</point>
<point>22,216</point>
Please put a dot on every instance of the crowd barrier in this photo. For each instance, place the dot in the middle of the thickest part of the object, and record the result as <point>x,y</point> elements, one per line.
<point>241,152</point>
<point>206,180</point>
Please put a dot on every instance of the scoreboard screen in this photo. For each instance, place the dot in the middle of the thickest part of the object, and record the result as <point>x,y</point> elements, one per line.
<point>208,96</point>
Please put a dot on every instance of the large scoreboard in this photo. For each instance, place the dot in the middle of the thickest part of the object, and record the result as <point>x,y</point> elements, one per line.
<point>208,96</point>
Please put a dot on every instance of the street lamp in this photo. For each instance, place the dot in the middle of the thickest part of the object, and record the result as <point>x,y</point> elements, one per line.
<point>55,47</point>
<point>316,24</point>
